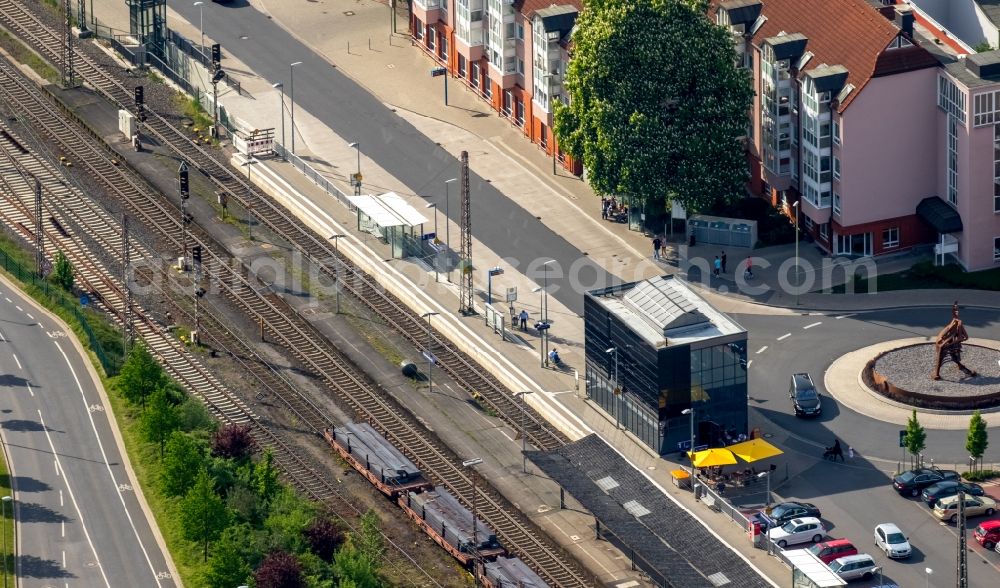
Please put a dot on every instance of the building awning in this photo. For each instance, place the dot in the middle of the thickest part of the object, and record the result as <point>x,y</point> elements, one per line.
<point>939,215</point>
<point>388,210</point>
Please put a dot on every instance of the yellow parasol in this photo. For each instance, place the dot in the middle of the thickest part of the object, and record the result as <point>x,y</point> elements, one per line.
<point>754,450</point>
<point>710,458</point>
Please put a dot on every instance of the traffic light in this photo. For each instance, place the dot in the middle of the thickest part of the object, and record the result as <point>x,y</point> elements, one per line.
<point>182,174</point>
<point>216,54</point>
<point>218,75</point>
<point>138,96</point>
<point>196,254</point>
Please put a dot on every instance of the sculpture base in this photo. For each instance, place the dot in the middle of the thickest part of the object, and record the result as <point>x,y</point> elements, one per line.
<point>902,374</point>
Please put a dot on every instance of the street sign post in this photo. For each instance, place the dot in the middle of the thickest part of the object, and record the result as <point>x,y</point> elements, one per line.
<point>493,271</point>
<point>440,71</point>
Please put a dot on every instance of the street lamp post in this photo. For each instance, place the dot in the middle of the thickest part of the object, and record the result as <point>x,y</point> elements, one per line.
<point>447,226</point>
<point>281,87</point>
<point>357,178</point>
<point>927,576</point>
<point>4,502</point>
<point>336,249</point>
<point>767,497</point>
<point>690,411</point>
<point>201,16</point>
<point>545,309</point>
<point>248,164</point>
<point>291,95</point>
<point>436,255</point>
<point>614,392</point>
<point>427,352</point>
<point>795,207</point>
<point>475,538</point>
<point>524,436</point>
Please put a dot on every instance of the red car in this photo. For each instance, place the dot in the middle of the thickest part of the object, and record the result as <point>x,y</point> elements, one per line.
<point>828,551</point>
<point>988,533</point>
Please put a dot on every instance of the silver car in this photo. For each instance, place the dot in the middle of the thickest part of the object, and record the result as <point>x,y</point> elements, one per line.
<point>891,540</point>
<point>854,567</point>
<point>795,531</point>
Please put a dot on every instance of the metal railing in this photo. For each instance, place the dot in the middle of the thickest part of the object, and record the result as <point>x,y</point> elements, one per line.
<point>311,173</point>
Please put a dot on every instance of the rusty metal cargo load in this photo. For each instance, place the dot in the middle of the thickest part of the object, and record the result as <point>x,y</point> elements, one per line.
<point>441,510</point>
<point>379,456</point>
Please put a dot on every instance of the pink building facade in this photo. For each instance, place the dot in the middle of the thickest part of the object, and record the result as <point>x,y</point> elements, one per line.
<point>867,130</point>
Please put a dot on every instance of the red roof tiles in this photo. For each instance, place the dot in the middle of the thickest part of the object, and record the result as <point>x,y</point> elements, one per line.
<point>851,33</point>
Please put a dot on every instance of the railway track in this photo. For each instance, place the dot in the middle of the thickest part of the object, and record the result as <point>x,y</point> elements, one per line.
<point>456,363</point>
<point>286,328</point>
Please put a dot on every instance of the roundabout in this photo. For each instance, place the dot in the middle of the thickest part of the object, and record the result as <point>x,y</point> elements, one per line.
<point>900,375</point>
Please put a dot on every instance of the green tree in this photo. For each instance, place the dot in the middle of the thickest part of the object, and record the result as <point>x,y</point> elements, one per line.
<point>62,272</point>
<point>160,420</point>
<point>233,557</point>
<point>983,47</point>
<point>195,417</point>
<point>354,569</point>
<point>183,458</point>
<point>266,478</point>
<point>140,376</point>
<point>915,438</point>
<point>657,104</point>
<point>203,513</point>
<point>977,440</point>
<point>369,540</point>
<point>288,519</point>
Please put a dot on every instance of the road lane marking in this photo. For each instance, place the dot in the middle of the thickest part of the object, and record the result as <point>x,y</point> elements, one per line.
<point>30,390</point>
<point>504,433</point>
<point>785,336</point>
<point>837,318</point>
<point>64,559</point>
<point>104,455</point>
<point>8,300</point>
<point>750,363</point>
<point>19,309</point>
<point>816,324</point>
<point>17,360</point>
<point>2,338</point>
<point>29,315</point>
<point>60,498</point>
<point>762,350</point>
<point>63,525</point>
<point>73,499</point>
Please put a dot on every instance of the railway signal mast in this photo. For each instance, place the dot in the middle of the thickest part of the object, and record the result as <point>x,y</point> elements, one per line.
<point>127,295</point>
<point>39,235</point>
<point>67,73</point>
<point>182,177</point>
<point>465,295</point>
<point>217,76</point>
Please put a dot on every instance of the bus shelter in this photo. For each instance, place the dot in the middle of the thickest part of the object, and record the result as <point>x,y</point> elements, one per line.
<point>808,571</point>
<point>390,218</point>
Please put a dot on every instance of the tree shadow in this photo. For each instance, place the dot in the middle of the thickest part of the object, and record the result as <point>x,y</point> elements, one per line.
<point>23,425</point>
<point>24,484</point>
<point>32,512</point>
<point>31,566</point>
<point>12,381</point>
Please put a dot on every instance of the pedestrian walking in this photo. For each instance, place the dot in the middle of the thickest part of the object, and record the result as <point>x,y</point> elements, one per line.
<point>663,248</point>
<point>524,319</point>
<point>723,260</point>
<point>748,273</point>
<point>604,208</point>
<point>717,266</point>
<point>657,243</point>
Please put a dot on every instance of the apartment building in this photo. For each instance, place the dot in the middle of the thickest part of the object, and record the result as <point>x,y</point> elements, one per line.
<point>511,53</point>
<point>880,133</point>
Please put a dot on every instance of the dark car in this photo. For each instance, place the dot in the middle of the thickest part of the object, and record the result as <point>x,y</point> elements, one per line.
<point>786,511</point>
<point>935,492</point>
<point>913,481</point>
<point>805,398</point>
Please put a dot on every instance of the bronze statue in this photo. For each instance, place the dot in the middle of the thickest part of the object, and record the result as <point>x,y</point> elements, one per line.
<point>949,343</point>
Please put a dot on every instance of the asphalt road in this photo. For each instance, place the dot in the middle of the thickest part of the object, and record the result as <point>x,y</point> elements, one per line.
<point>355,114</point>
<point>78,521</point>
<point>856,496</point>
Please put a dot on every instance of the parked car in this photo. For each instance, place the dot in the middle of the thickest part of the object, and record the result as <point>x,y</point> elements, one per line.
<point>805,398</point>
<point>892,541</point>
<point>804,530</point>
<point>946,488</point>
<point>988,534</point>
<point>786,511</point>
<point>946,509</point>
<point>827,551</point>
<point>854,567</point>
<point>913,481</point>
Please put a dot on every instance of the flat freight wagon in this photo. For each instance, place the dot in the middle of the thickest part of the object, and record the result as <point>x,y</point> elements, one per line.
<point>449,523</point>
<point>376,459</point>
<point>510,572</point>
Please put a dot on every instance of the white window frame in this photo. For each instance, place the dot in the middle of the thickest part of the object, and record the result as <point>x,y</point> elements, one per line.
<point>888,242</point>
<point>836,167</point>
<point>836,132</point>
<point>836,203</point>
<point>824,231</point>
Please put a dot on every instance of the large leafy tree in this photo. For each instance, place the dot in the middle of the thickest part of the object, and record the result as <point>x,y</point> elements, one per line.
<point>279,569</point>
<point>657,103</point>
<point>203,513</point>
<point>183,458</point>
<point>140,376</point>
<point>160,419</point>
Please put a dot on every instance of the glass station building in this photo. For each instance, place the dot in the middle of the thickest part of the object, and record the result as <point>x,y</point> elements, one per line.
<point>654,349</point>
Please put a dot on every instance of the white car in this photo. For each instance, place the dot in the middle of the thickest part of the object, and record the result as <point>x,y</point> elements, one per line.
<point>892,541</point>
<point>804,530</point>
